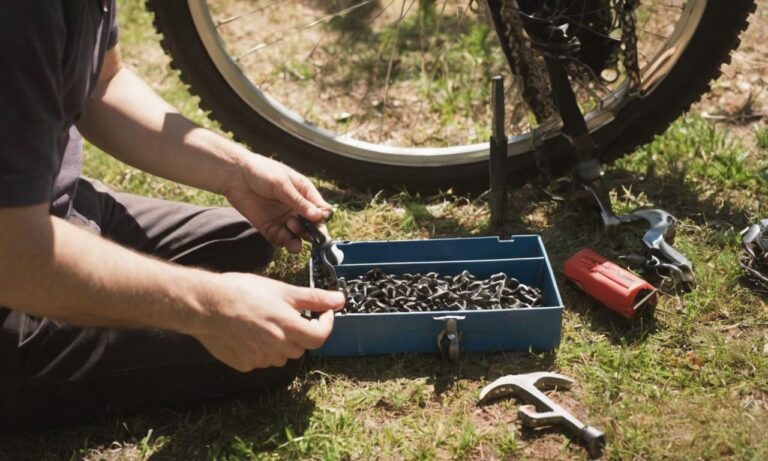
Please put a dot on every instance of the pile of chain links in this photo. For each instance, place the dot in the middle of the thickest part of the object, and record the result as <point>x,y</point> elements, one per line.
<point>377,292</point>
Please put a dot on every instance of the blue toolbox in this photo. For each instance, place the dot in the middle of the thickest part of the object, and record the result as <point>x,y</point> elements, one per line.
<point>522,257</point>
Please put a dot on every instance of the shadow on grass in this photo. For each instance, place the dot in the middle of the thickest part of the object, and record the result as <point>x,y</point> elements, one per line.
<point>754,287</point>
<point>443,374</point>
<point>223,429</point>
<point>368,49</point>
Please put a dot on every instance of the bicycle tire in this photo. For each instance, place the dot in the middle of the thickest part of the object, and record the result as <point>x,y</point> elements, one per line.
<point>635,123</point>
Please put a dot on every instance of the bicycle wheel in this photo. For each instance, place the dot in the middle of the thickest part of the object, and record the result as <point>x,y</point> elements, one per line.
<point>382,93</point>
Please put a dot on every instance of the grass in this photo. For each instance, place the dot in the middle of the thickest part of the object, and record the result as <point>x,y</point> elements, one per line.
<point>691,384</point>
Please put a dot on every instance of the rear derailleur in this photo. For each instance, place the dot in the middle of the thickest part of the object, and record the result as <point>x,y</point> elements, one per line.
<point>563,33</point>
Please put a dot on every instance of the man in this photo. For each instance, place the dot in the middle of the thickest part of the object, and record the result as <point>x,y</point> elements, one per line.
<point>94,317</point>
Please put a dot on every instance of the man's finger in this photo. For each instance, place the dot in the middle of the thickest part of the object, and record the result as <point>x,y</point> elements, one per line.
<point>311,334</point>
<point>277,234</point>
<point>294,350</point>
<point>294,226</point>
<point>288,239</point>
<point>293,245</point>
<point>308,190</point>
<point>314,299</point>
<point>298,203</point>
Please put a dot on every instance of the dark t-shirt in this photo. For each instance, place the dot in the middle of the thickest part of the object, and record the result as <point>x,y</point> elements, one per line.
<point>51,53</point>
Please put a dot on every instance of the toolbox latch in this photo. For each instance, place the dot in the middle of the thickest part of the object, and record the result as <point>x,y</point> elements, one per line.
<point>449,338</point>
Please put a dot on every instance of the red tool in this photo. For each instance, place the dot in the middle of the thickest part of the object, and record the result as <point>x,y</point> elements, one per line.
<point>615,287</point>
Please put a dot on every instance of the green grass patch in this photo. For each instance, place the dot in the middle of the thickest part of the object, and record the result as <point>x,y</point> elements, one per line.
<point>703,154</point>
<point>690,384</point>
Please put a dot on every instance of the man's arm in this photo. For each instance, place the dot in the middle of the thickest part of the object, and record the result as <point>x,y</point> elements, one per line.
<point>51,268</point>
<point>127,119</point>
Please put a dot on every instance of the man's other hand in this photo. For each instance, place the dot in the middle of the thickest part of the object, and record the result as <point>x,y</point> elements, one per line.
<point>255,322</point>
<point>271,195</point>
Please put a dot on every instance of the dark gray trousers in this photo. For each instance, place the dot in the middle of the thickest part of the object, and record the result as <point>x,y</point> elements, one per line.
<point>54,374</point>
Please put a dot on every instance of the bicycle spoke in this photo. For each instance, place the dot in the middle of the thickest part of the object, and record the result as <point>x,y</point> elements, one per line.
<point>381,72</point>
<point>368,88</point>
<point>301,28</point>
<point>393,50</point>
<point>332,59</point>
<point>246,14</point>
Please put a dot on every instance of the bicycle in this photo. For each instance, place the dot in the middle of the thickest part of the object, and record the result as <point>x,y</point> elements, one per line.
<point>341,87</point>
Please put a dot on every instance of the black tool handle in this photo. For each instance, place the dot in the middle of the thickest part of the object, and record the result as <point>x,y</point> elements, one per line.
<point>318,238</point>
<point>497,164</point>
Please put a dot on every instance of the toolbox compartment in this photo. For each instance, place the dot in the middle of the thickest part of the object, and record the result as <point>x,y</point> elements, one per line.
<point>522,257</point>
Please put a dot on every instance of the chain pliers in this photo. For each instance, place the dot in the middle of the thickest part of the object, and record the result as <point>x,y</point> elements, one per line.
<point>324,255</point>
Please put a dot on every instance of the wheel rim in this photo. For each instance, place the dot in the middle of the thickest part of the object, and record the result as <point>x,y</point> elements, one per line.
<point>654,70</point>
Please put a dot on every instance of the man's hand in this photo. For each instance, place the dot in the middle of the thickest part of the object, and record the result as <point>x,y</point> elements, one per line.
<point>254,321</point>
<point>271,195</point>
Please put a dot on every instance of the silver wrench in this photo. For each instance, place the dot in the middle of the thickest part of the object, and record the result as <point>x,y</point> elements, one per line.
<point>548,412</point>
<point>658,239</point>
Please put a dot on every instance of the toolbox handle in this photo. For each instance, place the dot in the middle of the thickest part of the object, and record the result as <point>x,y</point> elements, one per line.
<point>449,338</point>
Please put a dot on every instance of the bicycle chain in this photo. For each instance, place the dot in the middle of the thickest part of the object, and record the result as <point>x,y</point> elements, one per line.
<point>627,22</point>
<point>377,292</point>
<point>526,66</point>
<point>536,90</point>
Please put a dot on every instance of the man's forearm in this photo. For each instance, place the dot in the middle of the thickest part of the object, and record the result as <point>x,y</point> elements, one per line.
<point>126,118</point>
<point>53,269</point>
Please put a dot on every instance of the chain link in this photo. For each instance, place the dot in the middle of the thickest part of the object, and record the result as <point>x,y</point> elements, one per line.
<point>526,66</point>
<point>379,292</point>
<point>625,9</point>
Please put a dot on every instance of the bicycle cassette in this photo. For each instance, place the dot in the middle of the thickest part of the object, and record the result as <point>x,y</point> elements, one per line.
<point>577,30</point>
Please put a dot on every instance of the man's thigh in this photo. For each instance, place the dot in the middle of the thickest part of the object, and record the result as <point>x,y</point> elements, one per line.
<point>219,239</point>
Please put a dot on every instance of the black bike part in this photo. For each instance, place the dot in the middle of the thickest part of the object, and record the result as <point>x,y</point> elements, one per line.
<point>635,123</point>
<point>498,154</point>
<point>574,124</point>
<point>575,29</point>
<point>587,169</point>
